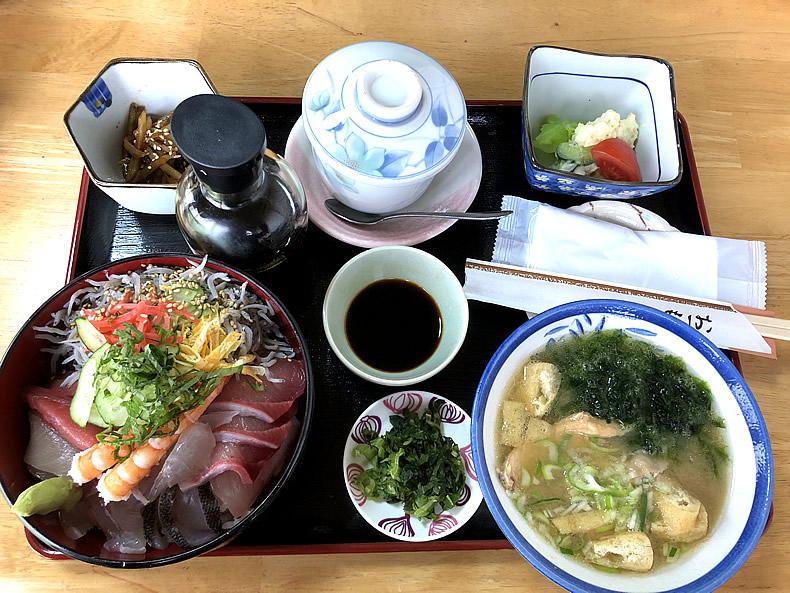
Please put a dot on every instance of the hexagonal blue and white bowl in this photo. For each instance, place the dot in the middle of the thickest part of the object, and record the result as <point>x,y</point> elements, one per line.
<point>743,518</point>
<point>580,86</point>
<point>97,120</point>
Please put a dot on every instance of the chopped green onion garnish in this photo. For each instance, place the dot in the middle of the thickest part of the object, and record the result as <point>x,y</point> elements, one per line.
<point>642,511</point>
<point>605,568</point>
<point>567,551</point>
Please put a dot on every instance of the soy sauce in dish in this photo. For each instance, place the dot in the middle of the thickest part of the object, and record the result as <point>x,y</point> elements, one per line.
<point>393,325</point>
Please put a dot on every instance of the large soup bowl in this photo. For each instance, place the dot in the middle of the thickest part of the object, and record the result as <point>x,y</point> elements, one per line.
<point>25,365</point>
<point>732,537</point>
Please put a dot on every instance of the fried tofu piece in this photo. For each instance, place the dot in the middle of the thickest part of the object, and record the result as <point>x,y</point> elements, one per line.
<point>580,522</point>
<point>683,518</point>
<point>584,424</point>
<point>539,387</point>
<point>630,550</point>
<point>515,419</point>
<point>537,429</point>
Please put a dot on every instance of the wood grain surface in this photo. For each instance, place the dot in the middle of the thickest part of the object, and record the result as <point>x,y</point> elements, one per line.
<point>732,74</point>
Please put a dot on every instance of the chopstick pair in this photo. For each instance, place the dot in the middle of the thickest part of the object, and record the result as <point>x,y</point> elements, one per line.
<point>770,327</point>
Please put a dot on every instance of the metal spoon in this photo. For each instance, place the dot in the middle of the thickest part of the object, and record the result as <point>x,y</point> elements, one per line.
<point>354,216</point>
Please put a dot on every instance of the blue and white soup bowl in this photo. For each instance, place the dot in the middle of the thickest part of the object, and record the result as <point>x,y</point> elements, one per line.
<point>580,86</point>
<point>743,517</point>
<point>383,120</point>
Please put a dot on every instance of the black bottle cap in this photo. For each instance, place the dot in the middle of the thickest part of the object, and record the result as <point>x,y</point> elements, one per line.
<point>221,138</point>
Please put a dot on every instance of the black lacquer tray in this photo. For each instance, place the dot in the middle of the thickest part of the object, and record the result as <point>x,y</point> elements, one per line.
<point>314,513</point>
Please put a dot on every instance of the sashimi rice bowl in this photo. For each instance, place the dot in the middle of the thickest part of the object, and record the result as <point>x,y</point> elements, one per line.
<point>152,409</point>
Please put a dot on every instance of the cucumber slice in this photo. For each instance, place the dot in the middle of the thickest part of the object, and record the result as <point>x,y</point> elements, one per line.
<point>95,419</point>
<point>108,402</point>
<point>185,294</point>
<point>82,402</point>
<point>569,151</point>
<point>188,296</point>
<point>90,336</point>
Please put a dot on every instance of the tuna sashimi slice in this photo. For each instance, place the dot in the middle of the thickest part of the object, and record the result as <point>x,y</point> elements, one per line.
<point>287,382</point>
<point>53,405</point>
<point>276,398</point>
<point>254,431</point>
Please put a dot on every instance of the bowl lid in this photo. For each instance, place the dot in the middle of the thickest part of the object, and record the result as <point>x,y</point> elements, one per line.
<point>384,109</point>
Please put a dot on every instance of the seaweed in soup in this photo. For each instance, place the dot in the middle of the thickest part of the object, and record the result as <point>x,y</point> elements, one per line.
<point>620,379</point>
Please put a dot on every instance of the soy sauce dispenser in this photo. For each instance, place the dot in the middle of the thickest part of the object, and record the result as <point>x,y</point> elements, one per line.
<point>234,202</point>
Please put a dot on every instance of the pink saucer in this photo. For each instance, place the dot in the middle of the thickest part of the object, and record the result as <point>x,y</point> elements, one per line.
<point>453,189</point>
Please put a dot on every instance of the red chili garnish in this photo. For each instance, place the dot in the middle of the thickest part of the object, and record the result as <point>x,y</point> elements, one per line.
<point>143,316</point>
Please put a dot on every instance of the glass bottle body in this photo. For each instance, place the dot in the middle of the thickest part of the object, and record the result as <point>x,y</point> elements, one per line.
<point>253,229</point>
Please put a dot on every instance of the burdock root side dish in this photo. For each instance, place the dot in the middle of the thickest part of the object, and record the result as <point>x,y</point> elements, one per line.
<point>149,153</point>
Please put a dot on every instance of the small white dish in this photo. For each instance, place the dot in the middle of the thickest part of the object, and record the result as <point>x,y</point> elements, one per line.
<point>389,518</point>
<point>97,120</point>
<point>454,189</point>
<point>625,214</point>
<point>383,120</point>
<point>404,263</point>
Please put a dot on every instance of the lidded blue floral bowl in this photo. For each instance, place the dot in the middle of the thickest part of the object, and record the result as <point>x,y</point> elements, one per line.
<point>383,119</point>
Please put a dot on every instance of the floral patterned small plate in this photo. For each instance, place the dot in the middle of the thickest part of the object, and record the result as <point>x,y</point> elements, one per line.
<point>389,518</point>
<point>453,189</point>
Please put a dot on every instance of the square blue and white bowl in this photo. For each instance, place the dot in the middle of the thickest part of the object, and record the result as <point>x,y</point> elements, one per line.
<point>580,86</point>
<point>744,515</point>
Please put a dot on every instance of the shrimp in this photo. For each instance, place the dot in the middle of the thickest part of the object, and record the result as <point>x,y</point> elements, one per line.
<point>89,464</point>
<point>118,482</point>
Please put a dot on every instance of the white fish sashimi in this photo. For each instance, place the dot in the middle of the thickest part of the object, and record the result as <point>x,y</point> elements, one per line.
<point>47,451</point>
<point>77,521</point>
<point>189,516</point>
<point>129,538</point>
<point>121,523</point>
<point>190,456</point>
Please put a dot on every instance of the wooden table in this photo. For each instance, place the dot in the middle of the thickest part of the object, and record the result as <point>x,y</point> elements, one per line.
<point>732,75</point>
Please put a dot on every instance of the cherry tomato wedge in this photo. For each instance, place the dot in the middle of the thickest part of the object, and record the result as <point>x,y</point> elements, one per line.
<point>616,160</point>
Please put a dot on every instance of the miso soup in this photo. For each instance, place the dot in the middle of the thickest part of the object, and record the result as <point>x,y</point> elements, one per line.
<point>610,449</point>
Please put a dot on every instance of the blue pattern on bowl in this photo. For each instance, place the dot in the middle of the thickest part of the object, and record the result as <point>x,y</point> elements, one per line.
<point>98,98</point>
<point>403,149</point>
<point>589,311</point>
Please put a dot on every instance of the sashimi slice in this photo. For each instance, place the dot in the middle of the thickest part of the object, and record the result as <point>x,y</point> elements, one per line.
<point>215,418</point>
<point>266,411</point>
<point>238,496</point>
<point>130,537</point>
<point>244,460</point>
<point>276,398</point>
<point>254,431</point>
<point>189,457</point>
<point>47,451</point>
<point>53,405</point>
<point>77,521</point>
<point>189,516</point>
